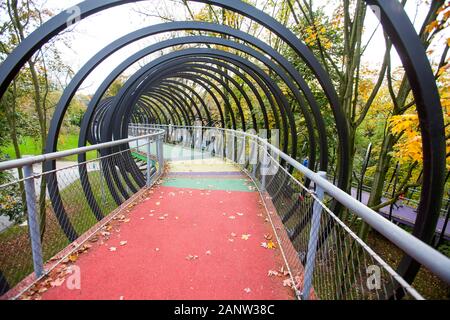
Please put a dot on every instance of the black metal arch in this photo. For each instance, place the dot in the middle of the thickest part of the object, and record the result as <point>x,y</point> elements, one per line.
<point>400,30</point>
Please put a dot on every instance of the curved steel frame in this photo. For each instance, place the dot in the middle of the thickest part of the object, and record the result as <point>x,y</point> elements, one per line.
<point>395,23</point>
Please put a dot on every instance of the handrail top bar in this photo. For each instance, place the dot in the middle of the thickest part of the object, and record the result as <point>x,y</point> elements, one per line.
<point>432,259</point>
<point>18,163</point>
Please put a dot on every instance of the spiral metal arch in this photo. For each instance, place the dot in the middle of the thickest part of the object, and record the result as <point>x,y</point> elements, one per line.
<point>150,91</point>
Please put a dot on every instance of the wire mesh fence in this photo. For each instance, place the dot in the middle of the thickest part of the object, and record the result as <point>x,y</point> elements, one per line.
<point>70,202</point>
<point>324,258</point>
<point>340,266</point>
<point>344,266</point>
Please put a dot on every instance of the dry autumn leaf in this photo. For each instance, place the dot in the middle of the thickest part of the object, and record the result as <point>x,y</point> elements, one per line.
<point>122,243</point>
<point>271,245</point>
<point>245,236</point>
<point>272,273</point>
<point>112,249</point>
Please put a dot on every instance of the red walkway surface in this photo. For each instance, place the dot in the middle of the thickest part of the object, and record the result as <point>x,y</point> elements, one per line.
<point>181,244</point>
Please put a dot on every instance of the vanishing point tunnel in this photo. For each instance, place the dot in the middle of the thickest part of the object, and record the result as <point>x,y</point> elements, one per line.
<point>166,91</point>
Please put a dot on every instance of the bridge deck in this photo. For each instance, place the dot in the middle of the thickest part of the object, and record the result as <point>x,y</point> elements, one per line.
<point>195,236</point>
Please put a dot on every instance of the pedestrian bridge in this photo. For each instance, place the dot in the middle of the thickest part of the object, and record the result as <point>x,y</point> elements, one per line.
<point>222,215</point>
<point>187,182</point>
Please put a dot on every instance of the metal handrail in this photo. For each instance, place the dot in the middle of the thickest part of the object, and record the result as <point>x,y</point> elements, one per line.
<point>18,163</point>
<point>432,259</point>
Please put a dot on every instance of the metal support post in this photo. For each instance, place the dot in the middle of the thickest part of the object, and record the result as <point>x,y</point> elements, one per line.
<point>264,169</point>
<point>149,162</point>
<point>313,238</point>
<point>160,154</point>
<point>33,222</point>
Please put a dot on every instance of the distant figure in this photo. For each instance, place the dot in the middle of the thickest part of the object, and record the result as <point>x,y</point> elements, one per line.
<point>399,203</point>
<point>305,162</point>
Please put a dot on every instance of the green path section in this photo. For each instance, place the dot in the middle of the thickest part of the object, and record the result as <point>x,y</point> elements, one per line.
<point>219,183</point>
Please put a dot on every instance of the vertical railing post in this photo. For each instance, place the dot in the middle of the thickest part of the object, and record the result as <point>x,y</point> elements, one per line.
<point>33,222</point>
<point>102,178</point>
<point>149,162</point>
<point>313,239</point>
<point>253,156</point>
<point>160,154</point>
<point>264,169</point>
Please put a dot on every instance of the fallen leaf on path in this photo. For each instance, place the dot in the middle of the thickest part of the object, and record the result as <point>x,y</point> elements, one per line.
<point>208,253</point>
<point>73,258</point>
<point>245,236</point>
<point>268,236</point>
<point>231,240</point>
<point>158,203</point>
<point>271,245</point>
<point>247,290</point>
<point>126,220</point>
<point>288,283</point>
<point>112,249</point>
<point>232,217</point>
<point>264,244</point>
<point>239,214</point>
<point>233,234</point>
<point>122,243</point>
<point>273,273</point>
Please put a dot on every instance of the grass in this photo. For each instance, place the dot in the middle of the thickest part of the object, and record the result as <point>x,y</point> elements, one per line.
<point>32,146</point>
<point>426,283</point>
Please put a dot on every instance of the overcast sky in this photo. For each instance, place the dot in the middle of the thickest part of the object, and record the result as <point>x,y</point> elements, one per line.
<point>95,32</point>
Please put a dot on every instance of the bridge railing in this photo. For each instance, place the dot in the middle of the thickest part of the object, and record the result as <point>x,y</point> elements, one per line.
<point>325,258</point>
<point>51,215</point>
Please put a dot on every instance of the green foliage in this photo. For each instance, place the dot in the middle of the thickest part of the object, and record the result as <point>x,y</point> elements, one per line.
<point>10,198</point>
<point>445,248</point>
